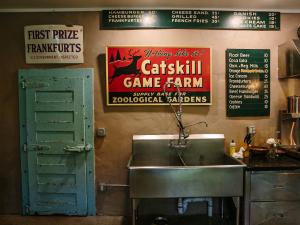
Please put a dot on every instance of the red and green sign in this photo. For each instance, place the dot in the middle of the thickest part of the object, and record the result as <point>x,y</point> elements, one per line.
<point>136,75</point>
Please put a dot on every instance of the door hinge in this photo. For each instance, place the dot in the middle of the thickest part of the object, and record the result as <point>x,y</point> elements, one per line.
<point>25,147</point>
<point>79,148</point>
<point>23,84</point>
<point>27,208</point>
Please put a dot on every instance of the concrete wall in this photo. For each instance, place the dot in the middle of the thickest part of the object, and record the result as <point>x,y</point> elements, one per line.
<point>112,152</point>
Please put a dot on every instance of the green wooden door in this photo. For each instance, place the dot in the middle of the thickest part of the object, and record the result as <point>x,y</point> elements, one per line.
<point>56,116</point>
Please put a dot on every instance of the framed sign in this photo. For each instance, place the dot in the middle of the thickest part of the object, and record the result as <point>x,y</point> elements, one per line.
<point>137,75</point>
<point>248,82</point>
<point>190,19</point>
<point>53,44</point>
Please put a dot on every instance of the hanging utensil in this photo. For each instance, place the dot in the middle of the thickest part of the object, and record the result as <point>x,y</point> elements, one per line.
<point>248,139</point>
<point>292,141</point>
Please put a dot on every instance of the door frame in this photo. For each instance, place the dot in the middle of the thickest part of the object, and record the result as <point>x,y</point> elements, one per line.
<point>87,74</point>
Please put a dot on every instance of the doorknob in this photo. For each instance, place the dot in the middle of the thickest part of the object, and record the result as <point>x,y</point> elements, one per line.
<point>79,148</point>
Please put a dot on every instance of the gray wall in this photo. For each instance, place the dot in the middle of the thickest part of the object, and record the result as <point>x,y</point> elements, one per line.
<point>121,123</point>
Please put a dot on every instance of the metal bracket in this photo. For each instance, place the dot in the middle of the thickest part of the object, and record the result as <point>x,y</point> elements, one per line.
<point>105,186</point>
<point>28,84</point>
<point>39,147</point>
<point>79,148</point>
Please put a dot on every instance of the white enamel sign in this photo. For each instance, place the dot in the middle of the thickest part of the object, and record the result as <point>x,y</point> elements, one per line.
<point>53,44</point>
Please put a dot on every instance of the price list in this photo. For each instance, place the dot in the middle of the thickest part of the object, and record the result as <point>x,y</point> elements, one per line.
<point>190,19</point>
<point>248,82</point>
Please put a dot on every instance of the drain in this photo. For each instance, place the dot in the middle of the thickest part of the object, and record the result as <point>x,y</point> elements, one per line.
<point>160,221</point>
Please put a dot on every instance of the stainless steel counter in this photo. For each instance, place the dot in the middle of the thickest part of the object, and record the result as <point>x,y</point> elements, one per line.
<point>272,190</point>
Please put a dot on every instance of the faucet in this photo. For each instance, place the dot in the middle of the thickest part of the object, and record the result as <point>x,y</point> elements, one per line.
<point>182,134</point>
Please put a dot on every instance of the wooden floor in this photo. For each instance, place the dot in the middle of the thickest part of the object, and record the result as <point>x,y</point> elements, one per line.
<point>109,220</point>
<point>61,220</point>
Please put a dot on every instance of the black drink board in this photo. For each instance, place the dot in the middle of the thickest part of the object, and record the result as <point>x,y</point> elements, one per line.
<point>190,19</point>
<point>248,82</point>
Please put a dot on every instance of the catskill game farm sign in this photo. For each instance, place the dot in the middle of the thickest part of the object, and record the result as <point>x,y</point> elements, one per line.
<point>137,75</point>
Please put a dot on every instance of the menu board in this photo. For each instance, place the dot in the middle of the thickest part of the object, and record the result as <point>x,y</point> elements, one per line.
<point>190,19</point>
<point>248,82</point>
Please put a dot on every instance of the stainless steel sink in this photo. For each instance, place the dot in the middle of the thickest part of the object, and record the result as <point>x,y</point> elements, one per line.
<point>199,170</point>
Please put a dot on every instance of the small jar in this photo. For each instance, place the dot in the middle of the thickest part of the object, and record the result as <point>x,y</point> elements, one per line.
<point>272,153</point>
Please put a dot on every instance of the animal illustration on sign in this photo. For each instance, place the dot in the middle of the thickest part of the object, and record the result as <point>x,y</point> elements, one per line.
<point>129,69</point>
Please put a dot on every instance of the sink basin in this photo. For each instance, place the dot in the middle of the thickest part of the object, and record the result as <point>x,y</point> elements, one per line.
<point>201,169</point>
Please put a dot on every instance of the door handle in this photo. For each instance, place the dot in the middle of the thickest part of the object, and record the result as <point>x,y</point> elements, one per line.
<point>79,148</point>
<point>278,187</point>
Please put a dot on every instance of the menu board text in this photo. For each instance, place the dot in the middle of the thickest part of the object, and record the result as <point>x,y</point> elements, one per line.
<point>190,19</point>
<point>248,82</point>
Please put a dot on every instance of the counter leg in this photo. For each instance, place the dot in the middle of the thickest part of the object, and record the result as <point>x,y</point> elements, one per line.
<point>237,201</point>
<point>134,205</point>
<point>222,208</point>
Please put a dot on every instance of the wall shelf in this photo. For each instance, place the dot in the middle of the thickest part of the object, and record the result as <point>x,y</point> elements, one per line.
<point>290,116</point>
<point>297,76</point>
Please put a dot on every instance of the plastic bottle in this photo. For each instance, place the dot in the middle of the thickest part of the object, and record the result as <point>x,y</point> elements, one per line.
<point>232,147</point>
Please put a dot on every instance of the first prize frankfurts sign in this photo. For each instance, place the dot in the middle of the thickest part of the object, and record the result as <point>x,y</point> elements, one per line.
<point>136,75</point>
<point>53,44</point>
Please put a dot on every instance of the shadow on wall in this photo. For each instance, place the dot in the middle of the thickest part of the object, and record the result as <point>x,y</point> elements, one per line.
<point>104,198</point>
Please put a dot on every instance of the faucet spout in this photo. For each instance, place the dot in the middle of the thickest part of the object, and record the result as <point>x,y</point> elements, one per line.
<point>178,114</point>
<point>183,134</point>
<point>197,123</point>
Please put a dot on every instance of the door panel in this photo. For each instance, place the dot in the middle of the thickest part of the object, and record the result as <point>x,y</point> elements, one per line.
<point>275,213</point>
<point>275,186</point>
<point>56,118</point>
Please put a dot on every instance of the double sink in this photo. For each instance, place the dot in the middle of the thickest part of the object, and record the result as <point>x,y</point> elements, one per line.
<point>200,168</point>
